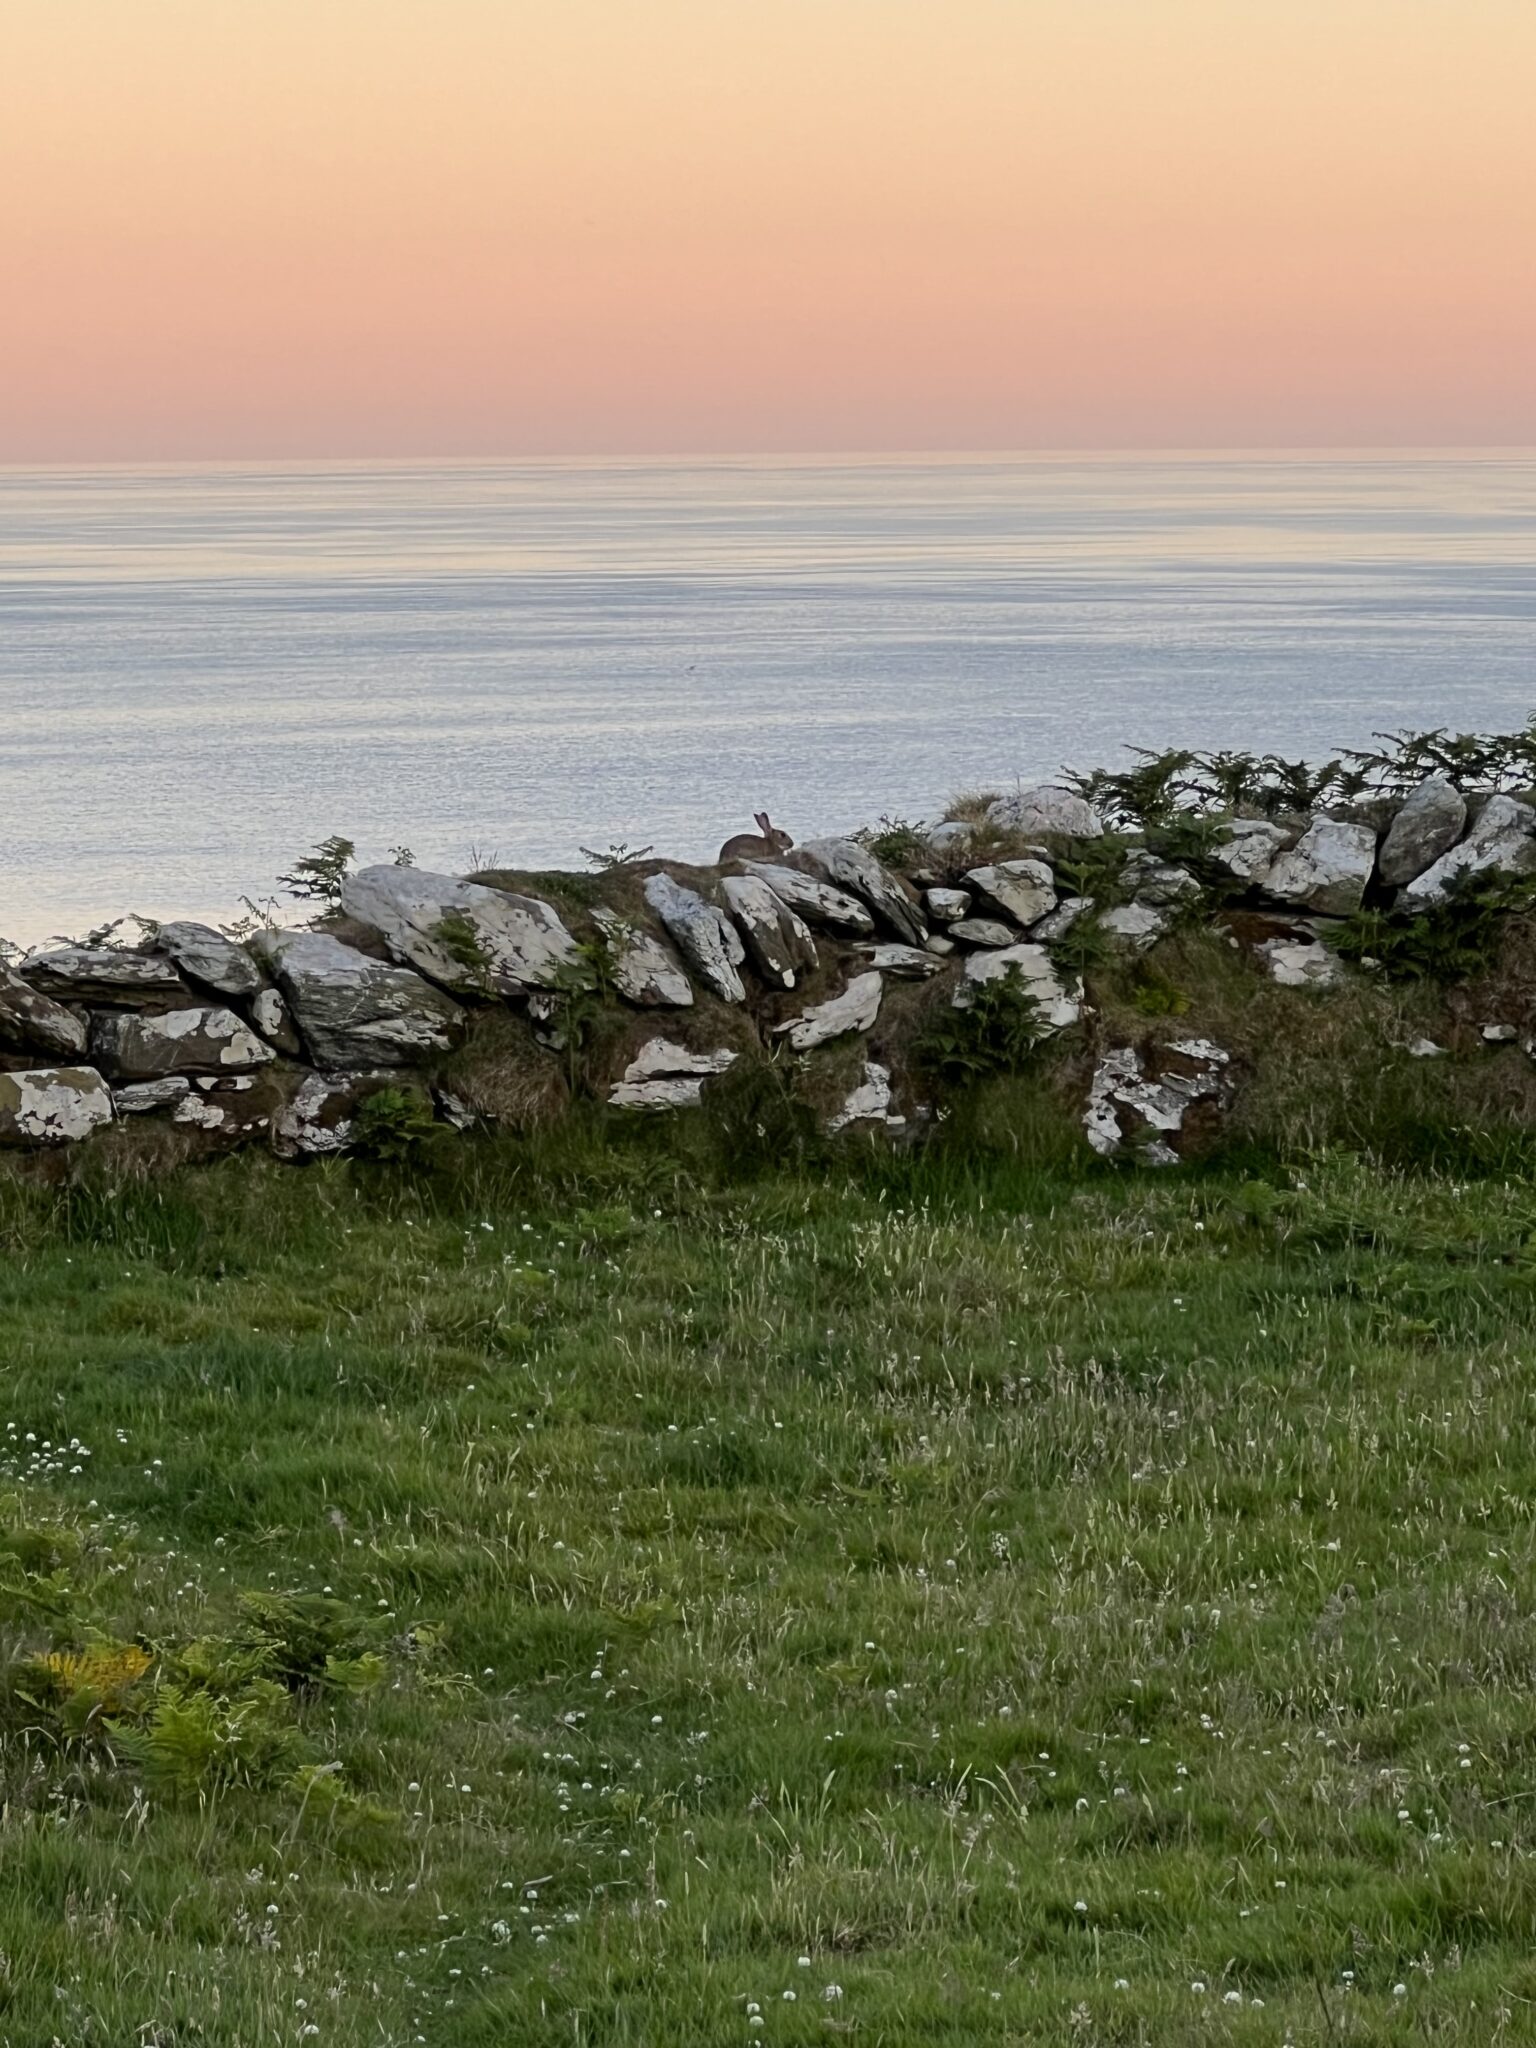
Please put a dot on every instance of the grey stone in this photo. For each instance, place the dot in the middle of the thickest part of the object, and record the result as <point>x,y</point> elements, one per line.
<point>1138,1100</point>
<point>207,957</point>
<point>1432,819</point>
<point>463,935</point>
<point>102,975</point>
<point>665,1075</point>
<point>869,1102</point>
<point>320,1118</point>
<point>1327,869</point>
<point>984,931</point>
<point>353,1012</point>
<point>779,942</point>
<point>1133,926</point>
<point>1061,920</point>
<point>1024,890</point>
<point>854,1009</point>
<point>953,839</point>
<point>844,864</point>
<point>140,1097</point>
<point>833,910</point>
<point>1158,883</point>
<point>1047,811</point>
<point>1299,963</point>
<point>269,1013</point>
<point>907,963</point>
<point>1032,967</point>
<point>645,972</point>
<point>1252,847</point>
<point>143,1048</point>
<point>946,906</point>
<point>1501,838</point>
<point>52,1105</point>
<point>33,1022</point>
<point>705,936</point>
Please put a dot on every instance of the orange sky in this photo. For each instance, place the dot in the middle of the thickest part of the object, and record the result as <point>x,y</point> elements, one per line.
<point>356,227</point>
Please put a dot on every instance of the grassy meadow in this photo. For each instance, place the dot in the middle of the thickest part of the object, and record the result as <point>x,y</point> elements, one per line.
<point>589,1596</point>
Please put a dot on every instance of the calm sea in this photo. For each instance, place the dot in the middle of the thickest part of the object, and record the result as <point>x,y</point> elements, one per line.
<point>204,670</point>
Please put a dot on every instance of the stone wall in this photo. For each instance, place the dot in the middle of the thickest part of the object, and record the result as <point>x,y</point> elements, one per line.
<point>644,984</point>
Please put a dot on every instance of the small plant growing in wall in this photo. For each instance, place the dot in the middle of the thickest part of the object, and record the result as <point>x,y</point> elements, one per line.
<point>459,937</point>
<point>318,875</point>
<point>994,1034</point>
<point>391,1126</point>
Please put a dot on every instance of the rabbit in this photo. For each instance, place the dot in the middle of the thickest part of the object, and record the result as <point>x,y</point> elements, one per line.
<point>773,842</point>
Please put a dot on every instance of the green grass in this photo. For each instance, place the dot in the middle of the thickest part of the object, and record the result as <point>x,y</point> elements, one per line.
<point>871,1607</point>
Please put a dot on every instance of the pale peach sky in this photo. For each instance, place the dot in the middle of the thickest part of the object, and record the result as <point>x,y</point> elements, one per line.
<point>359,227</point>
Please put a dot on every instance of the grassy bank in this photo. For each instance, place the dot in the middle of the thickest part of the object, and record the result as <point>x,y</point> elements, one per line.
<point>594,1600</point>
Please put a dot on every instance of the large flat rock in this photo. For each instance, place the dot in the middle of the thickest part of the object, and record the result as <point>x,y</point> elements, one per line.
<point>462,935</point>
<point>353,1012</point>
<point>33,1022</point>
<point>206,1040</point>
<point>703,934</point>
<point>52,1105</point>
<point>205,956</point>
<point>844,864</point>
<point>103,975</point>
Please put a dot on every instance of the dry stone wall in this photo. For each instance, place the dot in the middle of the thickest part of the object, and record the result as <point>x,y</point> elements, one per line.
<point>825,954</point>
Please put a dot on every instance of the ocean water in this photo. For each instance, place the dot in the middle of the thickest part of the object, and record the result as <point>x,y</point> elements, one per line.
<point>205,670</point>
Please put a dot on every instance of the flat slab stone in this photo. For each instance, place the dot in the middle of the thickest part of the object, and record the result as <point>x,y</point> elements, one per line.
<point>844,864</point>
<point>1133,926</point>
<point>665,1075</point>
<point>52,1105</point>
<point>778,941</point>
<point>1327,869</point>
<point>1502,838</point>
<point>130,1047</point>
<point>353,1012</point>
<point>832,910</point>
<point>463,935</point>
<point>140,1098</point>
<point>33,1022</point>
<point>207,957</point>
<point>907,963</point>
<point>855,1009</point>
<point>984,931</point>
<point>703,934</point>
<point>1299,963</point>
<point>102,975</point>
<point>645,972</point>
<point>1024,890</point>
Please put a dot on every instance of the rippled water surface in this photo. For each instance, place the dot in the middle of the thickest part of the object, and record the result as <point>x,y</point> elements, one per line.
<point>203,670</point>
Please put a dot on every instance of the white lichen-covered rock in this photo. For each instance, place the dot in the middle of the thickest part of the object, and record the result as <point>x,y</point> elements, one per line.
<point>645,972</point>
<point>102,974</point>
<point>1133,927</point>
<point>907,963</point>
<point>984,931</point>
<point>777,939</point>
<point>665,1075</point>
<point>1327,869</point>
<point>1047,811</point>
<point>1251,848</point>
<point>703,934</point>
<point>140,1098</point>
<point>130,1047</point>
<point>1432,819</point>
<point>953,839</point>
<point>52,1105</point>
<point>1299,963</point>
<point>269,1014</point>
<point>844,864</point>
<point>1024,890</point>
<point>1060,1003</point>
<point>1501,838</point>
<point>947,906</point>
<point>855,1009</point>
<point>868,1103</point>
<point>1161,884</point>
<point>1139,1099</point>
<point>353,1012</point>
<point>1061,920</point>
<point>939,943</point>
<point>208,958</point>
<point>318,1119</point>
<point>33,1022</point>
<point>829,909</point>
<point>463,935</point>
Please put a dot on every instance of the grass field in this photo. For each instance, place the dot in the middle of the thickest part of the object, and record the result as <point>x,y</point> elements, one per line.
<point>582,1603</point>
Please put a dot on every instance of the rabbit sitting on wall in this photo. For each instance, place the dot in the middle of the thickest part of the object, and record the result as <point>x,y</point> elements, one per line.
<point>767,843</point>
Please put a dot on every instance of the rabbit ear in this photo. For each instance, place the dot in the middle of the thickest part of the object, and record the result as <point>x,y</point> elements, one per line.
<point>762,820</point>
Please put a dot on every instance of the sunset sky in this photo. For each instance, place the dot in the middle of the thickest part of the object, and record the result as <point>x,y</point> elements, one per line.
<point>275,228</point>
